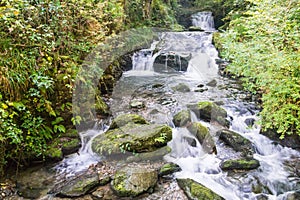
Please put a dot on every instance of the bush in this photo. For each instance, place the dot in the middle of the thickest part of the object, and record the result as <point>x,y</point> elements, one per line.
<point>263,46</point>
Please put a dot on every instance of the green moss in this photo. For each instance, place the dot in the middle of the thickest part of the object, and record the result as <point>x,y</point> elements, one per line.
<point>182,118</point>
<point>240,164</point>
<point>125,119</point>
<point>74,142</point>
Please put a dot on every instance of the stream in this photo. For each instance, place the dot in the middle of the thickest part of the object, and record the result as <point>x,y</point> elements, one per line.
<point>188,59</point>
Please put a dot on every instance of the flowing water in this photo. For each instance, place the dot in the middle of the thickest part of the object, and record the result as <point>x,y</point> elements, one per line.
<point>156,72</point>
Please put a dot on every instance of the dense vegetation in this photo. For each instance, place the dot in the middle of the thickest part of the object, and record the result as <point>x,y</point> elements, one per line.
<point>42,45</point>
<point>263,45</point>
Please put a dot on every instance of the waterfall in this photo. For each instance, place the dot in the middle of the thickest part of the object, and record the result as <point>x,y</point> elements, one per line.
<point>204,20</point>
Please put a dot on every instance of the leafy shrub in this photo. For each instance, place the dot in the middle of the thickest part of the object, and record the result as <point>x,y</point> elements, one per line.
<point>263,46</point>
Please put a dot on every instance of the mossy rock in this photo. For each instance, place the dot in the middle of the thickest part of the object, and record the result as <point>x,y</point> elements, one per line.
<point>169,168</point>
<point>182,118</point>
<point>131,181</point>
<point>197,191</point>
<point>240,164</point>
<point>209,111</point>
<point>202,134</point>
<point>236,142</point>
<point>150,156</point>
<point>135,138</point>
<point>181,87</point>
<point>124,119</point>
<point>71,146</point>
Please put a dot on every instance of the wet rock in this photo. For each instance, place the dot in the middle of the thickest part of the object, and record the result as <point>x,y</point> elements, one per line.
<point>212,83</point>
<point>240,164</point>
<point>294,195</point>
<point>249,122</point>
<point>196,190</point>
<point>71,146</point>
<point>150,156</point>
<point>131,181</point>
<point>210,111</point>
<point>262,197</point>
<point>78,186</point>
<point>136,104</point>
<point>191,141</point>
<point>157,85</point>
<point>169,168</point>
<point>125,119</point>
<point>200,89</point>
<point>181,87</point>
<point>292,141</point>
<point>182,118</point>
<point>236,142</point>
<point>200,85</point>
<point>203,136</point>
<point>136,138</point>
<point>171,62</point>
<point>195,28</point>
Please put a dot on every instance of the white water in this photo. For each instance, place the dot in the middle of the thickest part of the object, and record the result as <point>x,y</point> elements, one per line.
<point>204,20</point>
<point>78,162</point>
<point>195,163</point>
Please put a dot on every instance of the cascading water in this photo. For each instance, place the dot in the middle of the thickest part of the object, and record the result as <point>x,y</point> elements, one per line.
<point>272,175</point>
<point>78,162</point>
<point>162,101</point>
<point>204,20</point>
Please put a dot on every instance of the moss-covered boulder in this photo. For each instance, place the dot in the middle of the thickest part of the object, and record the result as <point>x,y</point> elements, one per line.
<point>131,181</point>
<point>195,190</point>
<point>125,119</point>
<point>236,142</point>
<point>182,118</point>
<point>169,168</point>
<point>76,187</point>
<point>209,111</point>
<point>181,87</point>
<point>240,164</point>
<point>203,136</point>
<point>136,138</point>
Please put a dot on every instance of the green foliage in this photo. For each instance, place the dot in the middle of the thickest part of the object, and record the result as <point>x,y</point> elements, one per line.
<point>263,46</point>
<point>42,45</point>
<point>157,13</point>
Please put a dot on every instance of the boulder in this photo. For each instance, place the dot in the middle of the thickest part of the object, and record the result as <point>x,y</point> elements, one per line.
<point>212,83</point>
<point>236,142</point>
<point>169,168</point>
<point>203,136</point>
<point>209,111</point>
<point>131,181</point>
<point>181,87</point>
<point>182,118</point>
<point>135,104</point>
<point>292,141</point>
<point>135,138</point>
<point>125,119</point>
<point>240,164</point>
<point>195,190</point>
<point>76,187</point>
